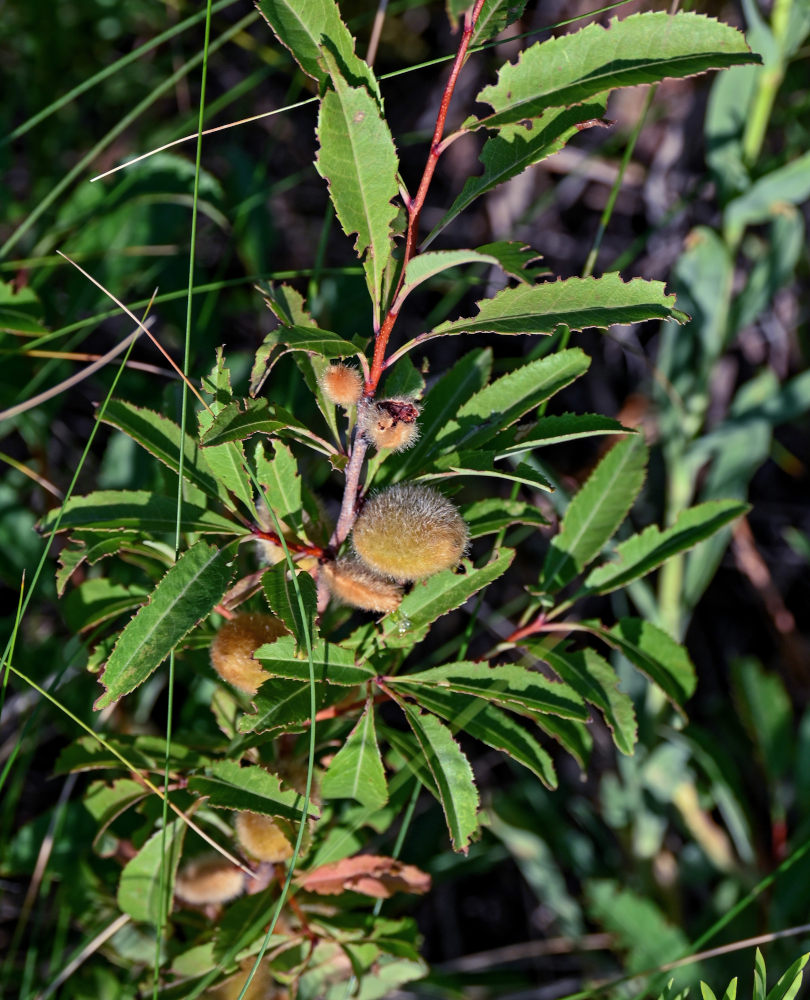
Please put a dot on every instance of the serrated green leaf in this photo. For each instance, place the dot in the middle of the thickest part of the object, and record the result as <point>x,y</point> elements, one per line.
<point>490,725</point>
<point>494,17</point>
<point>555,430</point>
<point>515,256</point>
<point>436,596</point>
<point>654,653</point>
<point>113,510</point>
<point>593,678</point>
<point>282,705</point>
<point>305,26</point>
<point>333,664</point>
<point>596,511</point>
<point>356,771</point>
<point>161,437</point>
<point>98,599</point>
<point>578,303</point>
<point>144,753</point>
<point>511,686</point>
<point>452,774</point>
<point>281,485</point>
<point>496,406</point>
<point>283,600</point>
<point>139,887</point>
<point>481,463</point>
<point>484,517</point>
<point>251,788</point>
<point>425,266</point>
<point>516,148</point>
<point>573,737</point>
<point>185,595</point>
<point>642,48</point>
<point>286,303</point>
<point>358,161</point>
<point>642,553</point>
<point>233,423</point>
<point>226,461</point>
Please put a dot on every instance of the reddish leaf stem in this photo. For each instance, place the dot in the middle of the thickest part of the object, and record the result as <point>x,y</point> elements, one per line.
<point>271,536</point>
<point>415,207</point>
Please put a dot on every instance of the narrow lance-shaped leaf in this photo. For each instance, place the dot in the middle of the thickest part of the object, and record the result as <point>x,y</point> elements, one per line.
<point>427,265</point>
<point>642,48</point>
<point>333,664</point>
<point>356,770</point>
<point>281,594</point>
<point>452,773</point>
<point>485,517</point>
<point>281,485</point>
<point>642,553</point>
<point>555,430</point>
<point>305,26</point>
<point>516,147</point>
<point>252,788</point>
<point>596,512</point>
<point>185,595</point>
<point>114,510</point>
<point>359,163</point>
<point>579,303</point>
<point>226,461</point>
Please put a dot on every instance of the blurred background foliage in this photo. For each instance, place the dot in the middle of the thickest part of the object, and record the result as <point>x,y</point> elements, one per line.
<point>625,869</point>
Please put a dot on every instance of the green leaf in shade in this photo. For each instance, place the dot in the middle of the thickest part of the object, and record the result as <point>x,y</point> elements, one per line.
<point>515,257</point>
<point>226,461</point>
<point>466,377</point>
<point>428,265</point>
<point>233,423</point>
<point>579,303</point>
<point>555,430</point>
<point>283,600</point>
<point>508,398</point>
<point>106,802</point>
<point>789,184</point>
<point>574,737</point>
<point>642,48</point>
<point>161,437</point>
<point>516,147</point>
<point>300,334</point>
<point>491,725</point>
<point>452,774</point>
<point>435,597</point>
<point>20,310</point>
<point>185,595</point>
<point>282,705</point>
<point>404,379</point>
<point>305,26</point>
<point>595,680</point>
<point>281,484</point>
<point>511,686</point>
<point>356,771</point>
<point>654,653</point>
<point>494,17</point>
<point>114,510</point>
<point>358,161</point>
<point>286,303</point>
<point>642,553</point>
<point>140,884</point>
<point>230,786</point>
<point>484,517</point>
<point>596,512</point>
<point>97,599</point>
<point>333,664</point>
<point>143,752</point>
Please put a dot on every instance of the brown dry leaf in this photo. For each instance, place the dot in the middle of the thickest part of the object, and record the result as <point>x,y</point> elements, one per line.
<point>379,877</point>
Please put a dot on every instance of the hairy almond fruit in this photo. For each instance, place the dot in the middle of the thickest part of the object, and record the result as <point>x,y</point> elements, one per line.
<point>262,986</point>
<point>341,384</point>
<point>262,837</point>
<point>390,423</point>
<point>409,532</point>
<point>352,583</point>
<point>233,648</point>
<point>209,879</point>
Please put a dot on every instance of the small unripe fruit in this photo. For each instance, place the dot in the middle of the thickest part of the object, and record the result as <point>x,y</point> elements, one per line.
<point>390,423</point>
<point>341,384</point>
<point>233,648</point>
<point>262,837</point>
<point>409,532</point>
<point>352,583</point>
<point>262,986</point>
<point>209,879</point>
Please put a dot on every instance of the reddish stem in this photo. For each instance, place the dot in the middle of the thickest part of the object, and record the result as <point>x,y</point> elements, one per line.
<point>271,536</point>
<point>415,207</point>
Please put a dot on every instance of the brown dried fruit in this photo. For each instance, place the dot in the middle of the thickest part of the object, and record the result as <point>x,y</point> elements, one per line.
<point>232,649</point>
<point>262,837</point>
<point>352,583</point>
<point>390,423</point>
<point>209,879</point>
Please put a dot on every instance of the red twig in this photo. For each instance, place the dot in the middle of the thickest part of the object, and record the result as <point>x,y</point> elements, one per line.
<point>271,536</point>
<point>415,207</point>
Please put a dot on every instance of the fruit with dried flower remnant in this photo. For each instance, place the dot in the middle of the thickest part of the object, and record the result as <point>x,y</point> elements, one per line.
<point>351,582</point>
<point>409,532</point>
<point>390,423</point>
<point>262,837</point>
<point>209,879</point>
<point>341,384</point>
<point>233,648</point>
